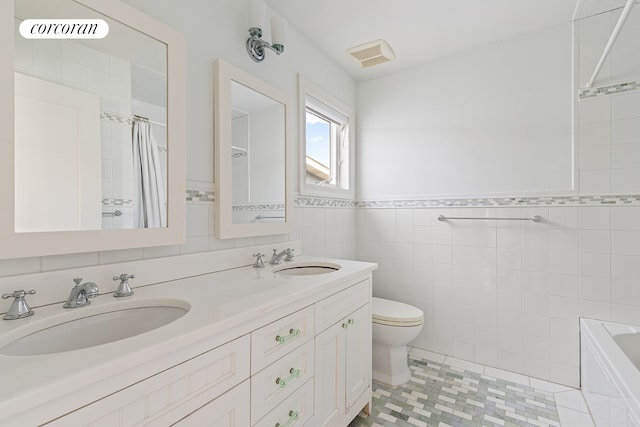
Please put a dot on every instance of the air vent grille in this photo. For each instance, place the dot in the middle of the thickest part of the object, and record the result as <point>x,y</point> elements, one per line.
<point>372,53</point>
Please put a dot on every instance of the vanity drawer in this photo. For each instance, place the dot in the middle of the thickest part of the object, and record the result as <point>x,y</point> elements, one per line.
<point>296,410</point>
<point>334,308</point>
<point>169,396</point>
<point>275,383</point>
<point>228,410</point>
<point>273,341</point>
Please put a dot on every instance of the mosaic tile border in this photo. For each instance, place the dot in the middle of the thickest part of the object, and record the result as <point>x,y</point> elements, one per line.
<point>305,201</point>
<point>264,207</point>
<point>600,200</point>
<point>117,202</point>
<point>116,118</point>
<point>207,196</point>
<point>608,90</point>
<point>199,195</point>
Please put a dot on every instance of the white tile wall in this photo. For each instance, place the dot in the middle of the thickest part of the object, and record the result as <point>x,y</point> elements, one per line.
<point>508,294</point>
<point>609,136</point>
<point>327,232</point>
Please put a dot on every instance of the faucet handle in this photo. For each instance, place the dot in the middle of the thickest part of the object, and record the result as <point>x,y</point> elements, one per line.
<point>124,290</point>
<point>77,281</point>
<point>289,255</point>
<point>259,263</point>
<point>19,308</point>
<point>19,294</point>
<point>275,260</point>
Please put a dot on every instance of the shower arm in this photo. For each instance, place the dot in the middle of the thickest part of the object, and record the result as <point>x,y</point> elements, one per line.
<point>612,40</point>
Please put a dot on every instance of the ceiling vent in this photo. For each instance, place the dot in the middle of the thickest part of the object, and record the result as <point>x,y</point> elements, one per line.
<point>372,53</point>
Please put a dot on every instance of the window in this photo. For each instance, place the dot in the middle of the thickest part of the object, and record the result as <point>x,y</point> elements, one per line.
<point>327,145</point>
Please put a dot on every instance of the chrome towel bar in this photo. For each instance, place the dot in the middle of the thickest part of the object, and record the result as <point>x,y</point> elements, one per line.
<point>259,217</point>
<point>536,218</point>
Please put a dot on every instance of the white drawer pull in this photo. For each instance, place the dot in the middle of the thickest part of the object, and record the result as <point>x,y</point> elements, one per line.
<point>295,373</point>
<point>292,334</point>
<point>293,417</point>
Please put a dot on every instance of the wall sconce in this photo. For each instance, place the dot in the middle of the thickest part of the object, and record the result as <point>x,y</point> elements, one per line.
<point>255,44</point>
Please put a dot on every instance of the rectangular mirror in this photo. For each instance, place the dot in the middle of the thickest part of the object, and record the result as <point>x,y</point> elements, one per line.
<point>252,121</point>
<point>94,159</point>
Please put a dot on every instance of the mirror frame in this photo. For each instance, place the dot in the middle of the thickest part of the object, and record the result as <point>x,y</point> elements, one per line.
<point>17,245</point>
<point>224,74</point>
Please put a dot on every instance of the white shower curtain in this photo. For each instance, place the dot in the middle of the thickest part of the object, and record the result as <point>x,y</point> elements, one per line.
<point>150,203</point>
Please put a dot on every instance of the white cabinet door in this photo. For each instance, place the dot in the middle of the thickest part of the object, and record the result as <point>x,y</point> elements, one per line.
<point>329,378</point>
<point>338,306</point>
<point>164,398</point>
<point>228,410</point>
<point>358,355</point>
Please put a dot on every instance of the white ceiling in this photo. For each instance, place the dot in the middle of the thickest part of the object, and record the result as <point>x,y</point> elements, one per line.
<point>418,30</point>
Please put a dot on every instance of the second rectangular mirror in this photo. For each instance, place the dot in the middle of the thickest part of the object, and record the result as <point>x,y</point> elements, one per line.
<point>252,121</point>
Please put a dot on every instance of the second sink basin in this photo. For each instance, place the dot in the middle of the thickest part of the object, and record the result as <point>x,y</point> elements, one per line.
<point>307,269</point>
<point>93,330</point>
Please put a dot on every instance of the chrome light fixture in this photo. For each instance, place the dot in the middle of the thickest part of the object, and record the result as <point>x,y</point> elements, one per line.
<point>255,45</point>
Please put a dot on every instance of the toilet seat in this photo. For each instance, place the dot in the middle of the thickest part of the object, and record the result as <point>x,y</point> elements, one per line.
<point>394,313</point>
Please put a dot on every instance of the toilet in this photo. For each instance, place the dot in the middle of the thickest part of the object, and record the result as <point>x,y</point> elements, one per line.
<point>395,324</point>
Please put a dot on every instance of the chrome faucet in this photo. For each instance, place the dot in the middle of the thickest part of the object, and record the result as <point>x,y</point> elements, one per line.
<point>124,290</point>
<point>19,308</point>
<point>276,257</point>
<point>81,293</point>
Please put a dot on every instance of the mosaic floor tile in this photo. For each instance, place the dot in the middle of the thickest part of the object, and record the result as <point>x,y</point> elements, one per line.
<point>440,395</point>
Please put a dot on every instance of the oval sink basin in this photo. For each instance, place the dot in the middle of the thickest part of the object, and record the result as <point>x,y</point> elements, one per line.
<point>308,269</point>
<point>93,330</point>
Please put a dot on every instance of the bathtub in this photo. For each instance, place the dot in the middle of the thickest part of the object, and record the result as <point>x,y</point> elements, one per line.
<point>610,372</point>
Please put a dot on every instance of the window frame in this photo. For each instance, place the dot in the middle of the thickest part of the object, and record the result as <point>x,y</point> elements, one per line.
<point>308,89</point>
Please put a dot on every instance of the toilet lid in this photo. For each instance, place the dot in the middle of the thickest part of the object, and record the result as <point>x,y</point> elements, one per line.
<point>395,313</point>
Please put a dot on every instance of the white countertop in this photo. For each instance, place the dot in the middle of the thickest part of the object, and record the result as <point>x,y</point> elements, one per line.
<point>223,306</point>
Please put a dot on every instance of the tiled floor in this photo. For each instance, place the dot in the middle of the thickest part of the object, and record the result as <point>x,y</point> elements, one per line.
<point>444,391</point>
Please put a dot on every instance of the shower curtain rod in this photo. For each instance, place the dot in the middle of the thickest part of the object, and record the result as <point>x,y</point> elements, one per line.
<point>135,116</point>
<point>129,120</point>
<point>612,40</point>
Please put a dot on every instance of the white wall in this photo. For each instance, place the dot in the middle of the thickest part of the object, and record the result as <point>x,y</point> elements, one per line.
<point>507,294</point>
<point>215,29</point>
<point>496,119</point>
<point>220,29</point>
<point>240,165</point>
<point>266,153</point>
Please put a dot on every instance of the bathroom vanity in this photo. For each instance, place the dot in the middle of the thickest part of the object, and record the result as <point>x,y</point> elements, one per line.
<point>282,345</point>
